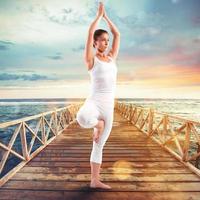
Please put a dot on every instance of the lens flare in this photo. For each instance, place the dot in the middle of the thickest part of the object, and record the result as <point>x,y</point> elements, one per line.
<point>122,169</point>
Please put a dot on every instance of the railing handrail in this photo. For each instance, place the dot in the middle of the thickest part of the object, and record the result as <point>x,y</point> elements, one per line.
<point>164,133</point>
<point>164,113</point>
<point>16,121</point>
<point>60,117</point>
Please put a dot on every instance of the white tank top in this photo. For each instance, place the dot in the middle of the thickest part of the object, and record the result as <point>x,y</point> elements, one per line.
<point>103,76</point>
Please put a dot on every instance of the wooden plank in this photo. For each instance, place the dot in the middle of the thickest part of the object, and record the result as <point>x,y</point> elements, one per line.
<point>106,164</point>
<point>105,158</point>
<point>90,146</point>
<point>106,154</point>
<point>125,150</point>
<point>114,176</point>
<point>123,186</point>
<point>108,170</point>
<point>106,145</point>
<point>105,148</point>
<point>90,195</point>
<point>31,194</point>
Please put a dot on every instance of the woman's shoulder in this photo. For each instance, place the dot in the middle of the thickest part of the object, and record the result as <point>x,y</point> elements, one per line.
<point>111,56</point>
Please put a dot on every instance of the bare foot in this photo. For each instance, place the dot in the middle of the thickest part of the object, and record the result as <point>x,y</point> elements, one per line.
<point>98,131</point>
<point>98,184</point>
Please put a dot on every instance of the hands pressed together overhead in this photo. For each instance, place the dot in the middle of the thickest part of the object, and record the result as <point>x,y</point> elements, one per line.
<point>101,10</point>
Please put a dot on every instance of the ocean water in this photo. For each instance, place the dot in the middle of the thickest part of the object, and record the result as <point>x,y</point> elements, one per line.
<point>11,109</point>
<point>19,108</point>
<point>185,108</point>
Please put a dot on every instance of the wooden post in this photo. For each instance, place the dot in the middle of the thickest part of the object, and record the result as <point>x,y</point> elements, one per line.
<point>150,127</point>
<point>135,115</point>
<point>43,130</point>
<point>187,142</point>
<point>24,142</point>
<point>128,113</point>
<point>197,162</point>
<point>131,113</point>
<point>142,118</point>
<point>56,122</point>
<point>164,131</point>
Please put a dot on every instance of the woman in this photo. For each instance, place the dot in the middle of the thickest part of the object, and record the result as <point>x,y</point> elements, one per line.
<point>98,109</point>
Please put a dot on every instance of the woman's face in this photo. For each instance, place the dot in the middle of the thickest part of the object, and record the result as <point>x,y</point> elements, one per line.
<point>102,42</point>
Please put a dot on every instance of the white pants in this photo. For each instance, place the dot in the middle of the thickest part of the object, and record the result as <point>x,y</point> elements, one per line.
<point>88,115</point>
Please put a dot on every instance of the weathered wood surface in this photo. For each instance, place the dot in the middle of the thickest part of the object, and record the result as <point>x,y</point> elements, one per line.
<point>135,166</point>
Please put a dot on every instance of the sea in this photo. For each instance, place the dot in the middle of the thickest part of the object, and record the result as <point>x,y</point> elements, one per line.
<point>11,109</point>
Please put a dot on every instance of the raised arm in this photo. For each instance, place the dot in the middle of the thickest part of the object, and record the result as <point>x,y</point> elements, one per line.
<point>116,37</point>
<point>89,43</point>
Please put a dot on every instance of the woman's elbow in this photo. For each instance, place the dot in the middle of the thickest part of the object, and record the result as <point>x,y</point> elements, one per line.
<point>116,34</point>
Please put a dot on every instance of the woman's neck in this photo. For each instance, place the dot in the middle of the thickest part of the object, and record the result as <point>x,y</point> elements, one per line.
<point>101,54</point>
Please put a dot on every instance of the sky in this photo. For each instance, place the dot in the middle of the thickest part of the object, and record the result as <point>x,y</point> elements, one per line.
<point>42,48</point>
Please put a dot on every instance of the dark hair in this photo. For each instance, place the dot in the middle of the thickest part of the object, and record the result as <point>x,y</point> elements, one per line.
<point>98,33</point>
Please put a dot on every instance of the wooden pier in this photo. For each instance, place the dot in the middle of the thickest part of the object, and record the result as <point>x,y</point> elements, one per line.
<point>134,164</point>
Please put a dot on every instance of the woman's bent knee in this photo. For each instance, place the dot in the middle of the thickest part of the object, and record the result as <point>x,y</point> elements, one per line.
<point>86,120</point>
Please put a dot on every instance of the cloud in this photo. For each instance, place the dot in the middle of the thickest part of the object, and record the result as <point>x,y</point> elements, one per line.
<point>4,45</point>
<point>143,18</point>
<point>183,56</point>
<point>67,10</point>
<point>66,19</point>
<point>56,57</point>
<point>79,48</point>
<point>64,16</point>
<point>24,77</point>
<point>196,21</point>
<point>171,76</point>
<point>175,1</point>
<point>196,40</point>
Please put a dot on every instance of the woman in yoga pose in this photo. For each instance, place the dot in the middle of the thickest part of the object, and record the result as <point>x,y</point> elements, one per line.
<point>98,109</point>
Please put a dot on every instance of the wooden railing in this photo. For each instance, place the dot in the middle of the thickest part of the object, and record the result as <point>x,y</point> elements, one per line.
<point>22,139</point>
<point>181,137</point>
